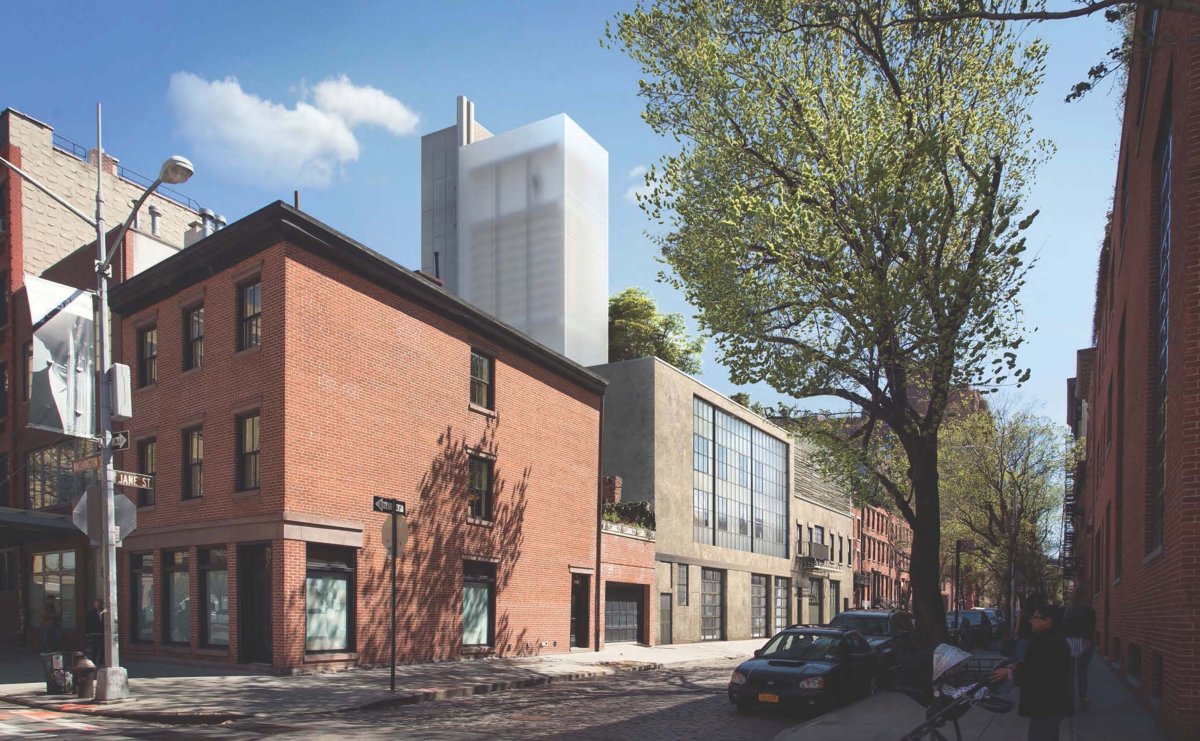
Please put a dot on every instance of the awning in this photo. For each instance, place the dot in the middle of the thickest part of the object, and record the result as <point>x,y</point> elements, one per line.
<point>17,525</point>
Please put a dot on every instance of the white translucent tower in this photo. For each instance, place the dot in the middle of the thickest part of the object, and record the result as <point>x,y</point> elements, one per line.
<point>528,239</point>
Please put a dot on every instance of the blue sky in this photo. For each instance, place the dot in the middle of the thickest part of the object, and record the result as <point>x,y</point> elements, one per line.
<point>519,62</point>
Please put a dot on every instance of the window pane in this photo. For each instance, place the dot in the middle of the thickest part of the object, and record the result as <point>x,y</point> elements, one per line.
<point>326,598</point>
<point>216,605</point>
<point>144,614</point>
<point>177,604</point>
<point>476,605</point>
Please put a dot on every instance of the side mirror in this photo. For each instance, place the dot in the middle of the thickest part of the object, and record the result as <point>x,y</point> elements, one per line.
<point>758,652</point>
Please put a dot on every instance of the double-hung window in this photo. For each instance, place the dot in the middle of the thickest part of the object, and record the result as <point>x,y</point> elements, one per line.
<point>479,487</point>
<point>193,463</point>
<point>148,356</point>
<point>247,442</point>
<point>147,464</point>
<point>482,370</point>
<point>193,338</point>
<point>249,315</point>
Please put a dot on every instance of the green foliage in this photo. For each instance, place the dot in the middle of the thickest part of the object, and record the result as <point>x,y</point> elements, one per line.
<point>640,514</point>
<point>636,329</point>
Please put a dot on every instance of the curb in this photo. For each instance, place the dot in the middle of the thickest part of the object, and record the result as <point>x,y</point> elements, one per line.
<point>401,699</point>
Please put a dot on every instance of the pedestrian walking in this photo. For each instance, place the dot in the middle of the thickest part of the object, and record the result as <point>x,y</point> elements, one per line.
<point>51,624</point>
<point>1043,676</point>
<point>94,629</point>
<point>1024,625</point>
<point>1079,626</point>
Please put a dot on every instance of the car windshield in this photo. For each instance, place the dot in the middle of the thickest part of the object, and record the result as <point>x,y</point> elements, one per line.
<point>868,625</point>
<point>810,646</point>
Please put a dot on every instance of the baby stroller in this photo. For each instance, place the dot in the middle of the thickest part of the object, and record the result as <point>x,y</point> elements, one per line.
<point>947,681</point>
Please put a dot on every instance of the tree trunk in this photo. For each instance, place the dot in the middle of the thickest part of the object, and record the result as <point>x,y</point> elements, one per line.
<point>928,611</point>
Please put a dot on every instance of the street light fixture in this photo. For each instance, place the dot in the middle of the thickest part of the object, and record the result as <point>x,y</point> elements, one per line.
<point>112,681</point>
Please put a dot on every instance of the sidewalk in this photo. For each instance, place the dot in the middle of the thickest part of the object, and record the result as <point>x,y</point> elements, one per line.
<point>1113,715</point>
<point>187,694</point>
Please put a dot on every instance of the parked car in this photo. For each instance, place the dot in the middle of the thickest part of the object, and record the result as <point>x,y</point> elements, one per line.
<point>959,632</point>
<point>996,615</point>
<point>804,667</point>
<point>888,631</point>
<point>980,624</point>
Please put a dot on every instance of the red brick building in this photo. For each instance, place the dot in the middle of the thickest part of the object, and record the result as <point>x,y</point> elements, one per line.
<point>1135,514</point>
<point>284,375</point>
<point>881,577</point>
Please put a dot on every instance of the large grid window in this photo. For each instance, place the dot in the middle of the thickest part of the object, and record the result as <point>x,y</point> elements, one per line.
<point>142,595</point>
<point>193,338</point>
<point>479,488</point>
<point>759,606</point>
<point>329,599</point>
<point>482,388</point>
<point>147,464</point>
<point>712,605</point>
<point>739,484</point>
<point>148,356</point>
<point>249,315</point>
<point>1158,463</point>
<point>783,602</point>
<point>214,590</point>
<point>176,603</point>
<point>193,463</point>
<point>247,442</point>
<point>48,476</point>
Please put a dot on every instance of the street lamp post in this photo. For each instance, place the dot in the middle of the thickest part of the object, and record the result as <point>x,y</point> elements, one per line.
<point>112,679</point>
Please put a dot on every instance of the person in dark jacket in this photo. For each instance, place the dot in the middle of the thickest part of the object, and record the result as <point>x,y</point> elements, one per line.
<point>1043,676</point>
<point>94,631</point>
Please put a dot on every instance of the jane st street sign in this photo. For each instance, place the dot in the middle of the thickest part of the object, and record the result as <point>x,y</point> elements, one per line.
<point>136,480</point>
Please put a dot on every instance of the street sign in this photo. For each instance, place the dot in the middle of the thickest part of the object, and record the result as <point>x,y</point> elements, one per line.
<point>86,515</point>
<point>390,506</point>
<point>120,440</point>
<point>91,463</point>
<point>136,480</point>
<point>401,536</point>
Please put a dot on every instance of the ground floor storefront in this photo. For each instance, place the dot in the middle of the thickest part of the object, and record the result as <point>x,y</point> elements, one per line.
<point>705,602</point>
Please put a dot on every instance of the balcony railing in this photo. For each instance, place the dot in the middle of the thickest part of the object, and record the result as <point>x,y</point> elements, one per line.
<point>814,550</point>
<point>67,146</point>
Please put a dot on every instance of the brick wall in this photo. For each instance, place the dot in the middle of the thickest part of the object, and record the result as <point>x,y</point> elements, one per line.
<point>1151,606</point>
<point>630,560</point>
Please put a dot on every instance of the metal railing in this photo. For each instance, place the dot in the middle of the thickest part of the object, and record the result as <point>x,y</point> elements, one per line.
<point>80,153</point>
<point>813,549</point>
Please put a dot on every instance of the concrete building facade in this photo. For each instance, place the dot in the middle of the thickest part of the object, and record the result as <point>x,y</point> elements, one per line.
<point>1136,509</point>
<point>718,476</point>
<point>516,223</point>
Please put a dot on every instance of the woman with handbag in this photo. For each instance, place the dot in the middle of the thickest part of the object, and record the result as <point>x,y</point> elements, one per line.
<point>1043,676</point>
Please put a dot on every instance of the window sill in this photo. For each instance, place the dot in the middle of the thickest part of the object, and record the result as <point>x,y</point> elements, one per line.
<point>190,371</point>
<point>248,350</point>
<point>146,507</point>
<point>177,648</point>
<point>333,656</point>
<point>485,411</point>
<point>1153,555</point>
<point>212,651</point>
<point>478,650</point>
<point>190,500</point>
<point>146,386</point>
<point>480,522</point>
<point>247,494</point>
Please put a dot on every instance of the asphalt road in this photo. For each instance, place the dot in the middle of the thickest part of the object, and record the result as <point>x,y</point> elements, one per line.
<point>683,702</point>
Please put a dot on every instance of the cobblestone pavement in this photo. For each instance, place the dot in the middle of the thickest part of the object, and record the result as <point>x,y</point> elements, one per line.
<point>687,701</point>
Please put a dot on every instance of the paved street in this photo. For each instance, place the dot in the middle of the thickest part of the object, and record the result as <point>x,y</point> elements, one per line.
<point>685,701</point>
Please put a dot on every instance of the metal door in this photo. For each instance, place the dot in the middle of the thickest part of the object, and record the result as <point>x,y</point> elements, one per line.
<point>664,618</point>
<point>622,613</point>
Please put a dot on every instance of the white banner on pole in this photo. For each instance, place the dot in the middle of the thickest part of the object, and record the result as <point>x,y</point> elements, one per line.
<point>62,395</point>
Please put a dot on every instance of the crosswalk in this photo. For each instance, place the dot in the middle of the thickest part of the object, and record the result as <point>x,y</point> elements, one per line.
<point>29,722</point>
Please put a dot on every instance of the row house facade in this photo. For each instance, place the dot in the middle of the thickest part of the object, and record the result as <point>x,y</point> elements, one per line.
<point>825,542</point>
<point>881,573</point>
<point>1134,506</point>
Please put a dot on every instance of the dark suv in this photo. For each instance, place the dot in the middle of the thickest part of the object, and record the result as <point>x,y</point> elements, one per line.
<point>888,631</point>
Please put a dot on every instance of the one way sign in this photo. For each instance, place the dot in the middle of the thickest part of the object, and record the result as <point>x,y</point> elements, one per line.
<point>120,440</point>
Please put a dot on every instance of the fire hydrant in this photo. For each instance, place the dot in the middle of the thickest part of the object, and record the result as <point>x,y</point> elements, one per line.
<point>85,678</point>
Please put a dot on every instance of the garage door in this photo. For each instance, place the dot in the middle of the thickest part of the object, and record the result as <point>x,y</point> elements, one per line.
<point>623,610</point>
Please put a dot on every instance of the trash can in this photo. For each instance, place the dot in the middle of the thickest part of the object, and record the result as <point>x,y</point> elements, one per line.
<point>85,676</point>
<point>57,673</point>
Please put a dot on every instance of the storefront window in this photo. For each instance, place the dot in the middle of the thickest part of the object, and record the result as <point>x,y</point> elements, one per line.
<point>142,583</point>
<point>177,581</point>
<point>214,586</point>
<point>329,603</point>
<point>53,577</point>
<point>479,603</point>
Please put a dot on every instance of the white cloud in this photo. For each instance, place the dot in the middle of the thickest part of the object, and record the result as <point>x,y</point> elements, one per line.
<point>270,144</point>
<point>639,188</point>
<point>362,104</point>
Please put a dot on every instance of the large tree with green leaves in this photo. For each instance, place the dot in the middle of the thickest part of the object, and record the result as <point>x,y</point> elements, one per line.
<point>845,213</point>
<point>636,329</point>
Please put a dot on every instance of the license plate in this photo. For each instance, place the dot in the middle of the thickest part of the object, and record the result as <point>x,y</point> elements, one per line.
<point>768,697</point>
